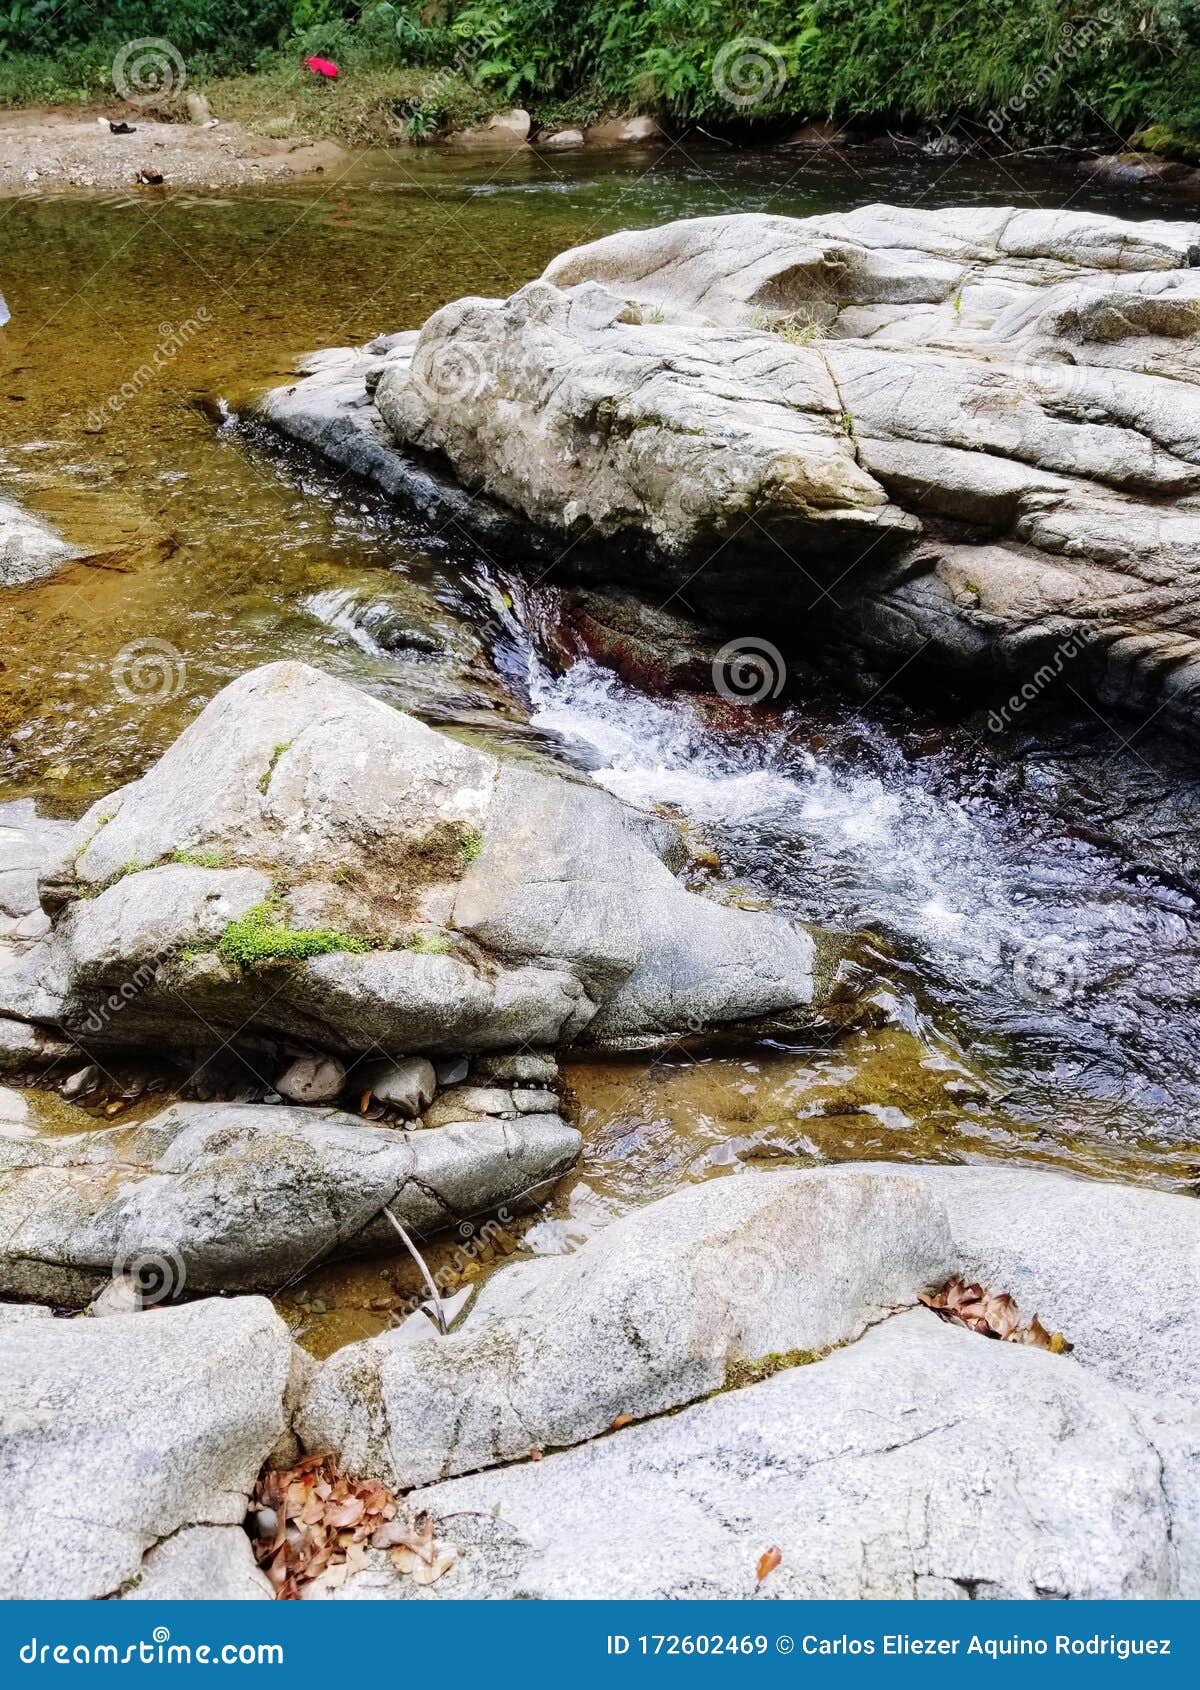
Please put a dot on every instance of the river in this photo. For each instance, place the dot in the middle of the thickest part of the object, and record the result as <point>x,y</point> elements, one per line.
<point>1037,980</point>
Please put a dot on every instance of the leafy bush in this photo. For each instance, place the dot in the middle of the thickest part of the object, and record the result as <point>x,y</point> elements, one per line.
<point>1050,67</point>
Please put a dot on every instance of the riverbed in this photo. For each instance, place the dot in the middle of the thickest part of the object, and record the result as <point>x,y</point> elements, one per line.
<point>1036,968</point>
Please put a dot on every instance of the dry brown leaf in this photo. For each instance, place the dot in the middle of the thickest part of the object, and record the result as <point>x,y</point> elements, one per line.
<point>319,1522</point>
<point>622,1420</point>
<point>768,1561</point>
<point>993,1316</point>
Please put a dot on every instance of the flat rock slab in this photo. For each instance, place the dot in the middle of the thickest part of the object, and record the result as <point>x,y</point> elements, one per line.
<point>981,424</point>
<point>247,1196</point>
<point>653,1313</point>
<point>922,1461</point>
<point>763,1265</point>
<point>117,1434</point>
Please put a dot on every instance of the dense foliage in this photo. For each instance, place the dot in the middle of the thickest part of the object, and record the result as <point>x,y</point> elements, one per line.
<point>1047,67</point>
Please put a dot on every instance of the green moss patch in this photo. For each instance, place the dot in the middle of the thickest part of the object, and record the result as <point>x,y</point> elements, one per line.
<point>258,936</point>
<point>740,1373</point>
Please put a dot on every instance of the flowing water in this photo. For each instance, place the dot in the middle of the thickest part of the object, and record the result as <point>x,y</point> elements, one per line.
<point>1039,987</point>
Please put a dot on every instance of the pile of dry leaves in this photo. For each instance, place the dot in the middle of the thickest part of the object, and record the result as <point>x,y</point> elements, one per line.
<point>995,1316</point>
<point>315,1525</point>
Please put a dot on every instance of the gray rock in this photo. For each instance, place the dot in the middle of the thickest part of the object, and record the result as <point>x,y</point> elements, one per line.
<point>116,1434</point>
<point>14,1111</point>
<point>122,1295</point>
<point>211,1563</point>
<point>297,803</point>
<point>653,1313</point>
<point>833,389</point>
<point>247,1196</point>
<point>469,1103</point>
<point>451,1071</point>
<point>529,1066</point>
<point>407,1086</point>
<point>921,1461</point>
<point>312,1079</point>
<point>562,139</point>
<point>1114,1267</point>
<point>527,1102</point>
<point>29,548</point>
<point>13,1314</point>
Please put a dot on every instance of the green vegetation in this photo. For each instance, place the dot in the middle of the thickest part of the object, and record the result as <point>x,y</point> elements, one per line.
<point>201,859</point>
<point>472,845</point>
<point>1028,70</point>
<point>739,1373</point>
<point>264,780</point>
<point>429,944</point>
<point>258,937</point>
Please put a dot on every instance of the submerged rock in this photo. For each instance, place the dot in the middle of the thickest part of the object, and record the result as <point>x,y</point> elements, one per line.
<point>307,863</point>
<point>116,1435</point>
<point>978,421</point>
<point>246,1196</point>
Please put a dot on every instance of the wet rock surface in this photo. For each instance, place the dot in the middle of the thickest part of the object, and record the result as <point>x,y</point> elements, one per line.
<point>973,419</point>
<point>247,1197</point>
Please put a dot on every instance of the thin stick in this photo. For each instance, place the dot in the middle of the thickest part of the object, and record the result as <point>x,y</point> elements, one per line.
<point>425,1273</point>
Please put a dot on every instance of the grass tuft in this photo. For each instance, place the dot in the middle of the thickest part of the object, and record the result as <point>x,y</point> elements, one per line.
<point>258,936</point>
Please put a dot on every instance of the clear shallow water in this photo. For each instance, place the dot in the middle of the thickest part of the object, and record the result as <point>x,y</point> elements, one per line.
<point>1044,996</point>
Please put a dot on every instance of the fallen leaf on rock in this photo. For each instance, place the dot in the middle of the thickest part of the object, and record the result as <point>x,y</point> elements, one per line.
<point>768,1561</point>
<point>312,1524</point>
<point>992,1315</point>
<point>622,1420</point>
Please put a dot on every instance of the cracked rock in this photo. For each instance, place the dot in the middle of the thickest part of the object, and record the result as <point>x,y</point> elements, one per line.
<point>652,1313</point>
<point>244,1197</point>
<point>116,1434</point>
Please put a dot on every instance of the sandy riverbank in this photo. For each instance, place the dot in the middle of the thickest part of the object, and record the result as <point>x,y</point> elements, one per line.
<point>42,151</point>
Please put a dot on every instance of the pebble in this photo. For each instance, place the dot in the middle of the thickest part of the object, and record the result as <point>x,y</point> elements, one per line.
<point>312,1079</point>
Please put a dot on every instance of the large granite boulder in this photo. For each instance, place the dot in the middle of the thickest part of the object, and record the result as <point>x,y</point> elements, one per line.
<point>306,863</point>
<point>129,1448</point>
<point>246,1197</point>
<point>964,435</point>
<point>662,1308</point>
<point>921,1461</point>
<point>917,1460</point>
